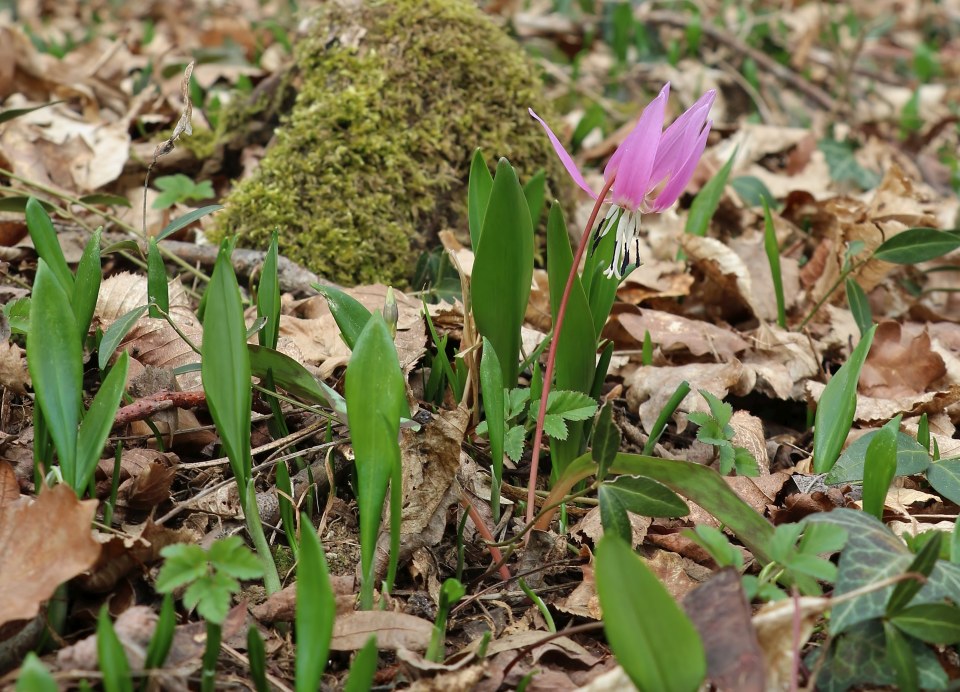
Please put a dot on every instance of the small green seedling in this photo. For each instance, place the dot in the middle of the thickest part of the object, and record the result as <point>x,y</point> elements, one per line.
<point>180,189</point>
<point>715,429</point>
<point>450,592</point>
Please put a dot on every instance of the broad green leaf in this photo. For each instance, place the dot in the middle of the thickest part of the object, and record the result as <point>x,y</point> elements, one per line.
<point>157,291</point>
<point>96,425</point>
<point>114,334</point>
<point>46,244</point>
<point>772,249</point>
<point>901,658</point>
<point>503,270</point>
<point>376,400</point>
<point>836,407</point>
<point>478,196</point>
<point>923,564</point>
<point>350,314</point>
<point>944,476</point>
<point>111,657</point>
<point>606,441</point>
<point>186,220</point>
<point>751,190</point>
<point>183,563</point>
<point>55,361</point>
<point>210,595</point>
<point>917,245</point>
<point>87,285</point>
<point>880,468</point>
<point>911,459</point>
<point>268,296</point>
<point>652,638</point>
<point>226,367</point>
<point>34,676</point>
<point>535,192</point>
<point>315,610</point>
<point>646,497</point>
<point>287,373</point>
<point>705,204</point>
<point>844,167</point>
<point>363,668</point>
<point>934,623</point>
<point>859,305</point>
<point>491,389</point>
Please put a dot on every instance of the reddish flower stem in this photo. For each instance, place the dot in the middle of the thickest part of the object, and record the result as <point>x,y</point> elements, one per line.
<point>552,352</point>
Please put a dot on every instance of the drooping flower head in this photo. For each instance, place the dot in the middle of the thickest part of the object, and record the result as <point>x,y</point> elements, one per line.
<point>650,168</point>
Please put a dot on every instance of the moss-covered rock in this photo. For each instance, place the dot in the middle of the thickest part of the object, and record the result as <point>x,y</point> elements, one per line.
<point>371,160</point>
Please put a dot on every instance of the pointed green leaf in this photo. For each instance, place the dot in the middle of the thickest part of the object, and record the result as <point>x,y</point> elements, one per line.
<point>934,623</point>
<point>96,425</point>
<point>315,610</point>
<point>773,258</point>
<point>491,389</point>
<point>705,204</point>
<point>917,245</point>
<point>535,192</point>
<point>268,296</point>
<point>350,314</point>
<point>157,290</point>
<point>111,657</point>
<point>46,244</point>
<point>837,406</point>
<point>34,676</point>
<point>363,668</point>
<point>859,305</point>
<point>87,284</point>
<point>911,459</point>
<point>901,658</point>
<point>114,334</point>
<point>478,196</point>
<point>646,497</point>
<point>880,468</point>
<point>186,220</point>
<point>652,638</point>
<point>923,564</point>
<point>606,441</point>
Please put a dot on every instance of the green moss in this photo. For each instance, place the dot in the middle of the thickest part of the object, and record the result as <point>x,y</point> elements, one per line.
<point>371,161</point>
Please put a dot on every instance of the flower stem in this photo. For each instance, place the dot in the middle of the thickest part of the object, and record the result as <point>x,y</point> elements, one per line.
<point>552,353</point>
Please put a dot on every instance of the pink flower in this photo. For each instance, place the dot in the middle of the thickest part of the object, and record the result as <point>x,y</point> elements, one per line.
<point>652,167</point>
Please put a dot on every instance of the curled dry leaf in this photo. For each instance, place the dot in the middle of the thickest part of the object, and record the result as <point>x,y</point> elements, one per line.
<point>725,269</point>
<point>43,543</point>
<point>900,363</point>
<point>13,368</point>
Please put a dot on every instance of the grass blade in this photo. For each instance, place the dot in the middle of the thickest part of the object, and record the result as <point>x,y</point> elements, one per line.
<point>114,334</point>
<point>363,668</point>
<point>186,220</point>
<point>87,285</point>
<point>881,465</point>
<point>111,656</point>
<point>679,394</point>
<point>268,296</point>
<point>162,638</point>
<point>157,292</point>
<point>773,257</point>
<point>859,305</point>
<point>96,425</point>
<point>315,610</point>
<point>34,676</point>
<point>257,656</point>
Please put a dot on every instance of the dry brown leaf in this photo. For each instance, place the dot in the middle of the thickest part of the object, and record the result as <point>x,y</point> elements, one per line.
<point>393,630</point>
<point>675,333</point>
<point>13,368</point>
<point>281,606</point>
<point>724,268</point>
<point>774,626</point>
<point>900,363</point>
<point>590,526</point>
<point>780,361</point>
<point>678,575</point>
<point>43,543</point>
<point>875,410</point>
<point>134,628</point>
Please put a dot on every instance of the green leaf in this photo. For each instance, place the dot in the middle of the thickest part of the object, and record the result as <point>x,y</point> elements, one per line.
<point>923,564</point>
<point>226,367</point>
<point>535,192</point>
<point>880,468</point>
<point>836,407</point>
<point>363,668</point>
<point>646,497</point>
<point>376,400</point>
<point>772,249</point>
<point>230,556</point>
<point>162,638</point>
<point>606,441</point>
<point>183,563</point>
<point>859,305</point>
<point>934,623</point>
<point>911,459</point>
<point>114,334</point>
<point>917,245</point>
<point>157,291</point>
<point>652,638</point>
<point>901,658</point>
<point>257,655</point>
<point>503,270</point>
<point>11,113</point>
<point>111,657</point>
<point>18,315</point>
<point>601,291</point>
<point>101,199</point>
<point>46,244</point>
<point>705,204</point>
<point>679,394</point>
<point>87,285</point>
<point>268,296</point>
<point>350,314</point>
<point>34,676</point>
<point>751,190</point>
<point>491,389</point>
<point>944,476</point>
<point>186,220</point>
<point>715,542</point>
<point>96,425</point>
<point>287,510</point>
<point>478,196</point>
<point>843,165</point>
<point>210,595</point>
<point>555,427</point>
<point>513,442</point>
<point>613,515</point>
<point>55,361</point>
<point>315,610</point>
<point>568,405</point>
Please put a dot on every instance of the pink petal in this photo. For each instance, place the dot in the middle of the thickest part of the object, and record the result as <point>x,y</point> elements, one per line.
<point>565,158</point>
<point>681,176</point>
<point>639,153</point>
<point>614,162</point>
<point>679,139</point>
